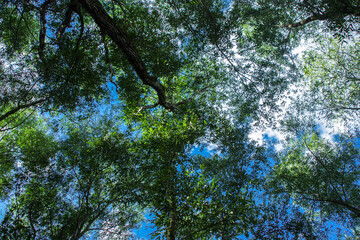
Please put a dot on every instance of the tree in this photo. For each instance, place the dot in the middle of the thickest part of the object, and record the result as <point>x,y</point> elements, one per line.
<point>30,143</point>
<point>283,16</point>
<point>19,90</point>
<point>83,186</point>
<point>322,177</point>
<point>281,219</point>
<point>177,75</point>
<point>67,41</point>
<point>187,197</point>
<point>332,78</point>
<point>72,61</point>
<point>315,163</point>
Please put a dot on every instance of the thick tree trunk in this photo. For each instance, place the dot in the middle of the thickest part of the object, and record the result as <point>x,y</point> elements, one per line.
<point>110,27</point>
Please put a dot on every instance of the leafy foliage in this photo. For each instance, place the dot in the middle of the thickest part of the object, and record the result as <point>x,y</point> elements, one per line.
<point>321,176</point>
<point>109,109</point>
<point>64,189</point>
<point>333,74</point>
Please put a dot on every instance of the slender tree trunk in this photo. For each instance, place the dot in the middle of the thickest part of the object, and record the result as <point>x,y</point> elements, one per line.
<point>171,196</point>
<point>172,226</point>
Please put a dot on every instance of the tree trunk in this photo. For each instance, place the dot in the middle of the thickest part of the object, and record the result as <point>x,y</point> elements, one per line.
<point>172,226</point>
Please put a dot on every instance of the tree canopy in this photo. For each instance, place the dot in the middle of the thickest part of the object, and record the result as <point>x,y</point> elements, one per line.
<point>119,114</point>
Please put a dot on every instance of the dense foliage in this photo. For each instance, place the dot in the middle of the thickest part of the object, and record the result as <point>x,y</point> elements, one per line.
<point>119,114</point>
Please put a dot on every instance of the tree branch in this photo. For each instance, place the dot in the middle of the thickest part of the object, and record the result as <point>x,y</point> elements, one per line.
<point>341,203</point>
<point>305,21</point>
<point>3,129</point>
<point>322,17</point>
<point>67,19</point>
<point>110,27</point>
<point>19,107</point>
<point>192,96</point>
